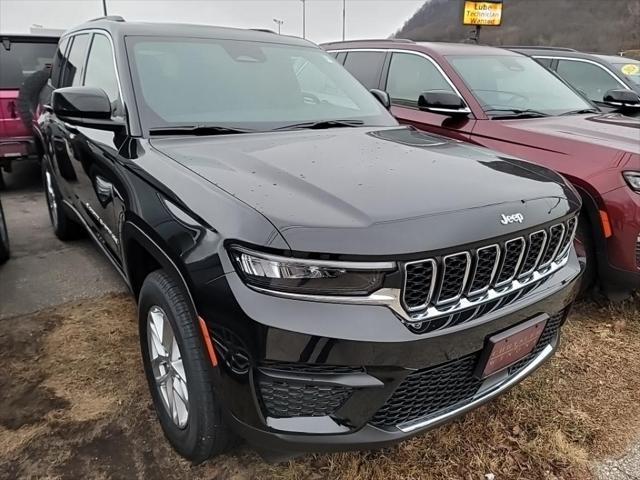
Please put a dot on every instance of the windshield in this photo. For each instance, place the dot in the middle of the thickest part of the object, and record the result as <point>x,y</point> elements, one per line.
<point>21,60</point>
<point>630,69</point>
<point>244,85</point>
<point>516,83</point>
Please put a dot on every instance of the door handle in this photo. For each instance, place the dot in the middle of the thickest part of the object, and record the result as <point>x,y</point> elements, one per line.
<point>104,190</point>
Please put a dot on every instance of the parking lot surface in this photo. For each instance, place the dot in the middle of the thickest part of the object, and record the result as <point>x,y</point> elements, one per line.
<point>43,271</point>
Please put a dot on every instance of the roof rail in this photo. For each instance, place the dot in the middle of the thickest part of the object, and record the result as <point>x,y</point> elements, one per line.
<point>396,40</point>
<point>265,30</point>
<point>113,18</point>
<point>531,47</point>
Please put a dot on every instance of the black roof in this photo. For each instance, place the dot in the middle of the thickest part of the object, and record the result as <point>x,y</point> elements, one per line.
<point>119,27</point>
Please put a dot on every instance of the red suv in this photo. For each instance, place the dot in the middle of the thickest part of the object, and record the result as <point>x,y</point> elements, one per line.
<point>506,101</point>
<point>20,57</point>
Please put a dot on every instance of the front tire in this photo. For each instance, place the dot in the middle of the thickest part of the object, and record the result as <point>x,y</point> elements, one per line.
<point>586,254</point>
<point>4,238</point>
<point>64,227</point>
<point>179,371</point>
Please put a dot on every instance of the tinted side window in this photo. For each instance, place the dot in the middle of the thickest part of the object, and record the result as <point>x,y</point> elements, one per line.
<point>100,70</point>
<point>58,61</point>
<point>411,75</point>
<point>366,67</point>
<point>590,79</point>
<point>73,67</point>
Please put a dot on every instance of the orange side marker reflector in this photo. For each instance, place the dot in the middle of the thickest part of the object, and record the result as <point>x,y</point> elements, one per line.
<point>606,224</point>
<point>207,342</point>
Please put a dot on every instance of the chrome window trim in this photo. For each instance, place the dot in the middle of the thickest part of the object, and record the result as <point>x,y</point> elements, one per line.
<point>496,264</point>
<point>411,52</point>
<point>481,397</point>
<point>515,272</point>
<point>432,288</point>
<point>542,250</point>
<point>584,60</point>
<point>555,252</point>
<point>465,279</point>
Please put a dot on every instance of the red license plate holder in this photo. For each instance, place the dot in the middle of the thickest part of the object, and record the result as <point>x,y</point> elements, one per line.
<point>505,348</point>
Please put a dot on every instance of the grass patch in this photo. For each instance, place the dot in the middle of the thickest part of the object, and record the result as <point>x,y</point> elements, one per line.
<point>89,414</point>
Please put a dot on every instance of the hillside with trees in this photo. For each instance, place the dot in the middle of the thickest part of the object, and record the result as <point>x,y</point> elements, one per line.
<point>605,26</point>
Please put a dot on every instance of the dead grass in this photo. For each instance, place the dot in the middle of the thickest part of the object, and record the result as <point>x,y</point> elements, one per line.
<point>79,406</point>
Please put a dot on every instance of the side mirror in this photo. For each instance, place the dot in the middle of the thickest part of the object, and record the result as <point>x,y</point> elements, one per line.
<point>622,98</point>
<point>84,106</point>
<point>382,96</point>
<point>446,103</point>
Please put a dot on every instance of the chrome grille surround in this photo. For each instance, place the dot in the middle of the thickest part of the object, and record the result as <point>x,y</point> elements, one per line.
<point>556,234</point>
<point>532,258</point>
<point>494,269</point>
<point>449,274</point>
<point>409,304</point>
<point>507,276</point>
<point>513,250</point>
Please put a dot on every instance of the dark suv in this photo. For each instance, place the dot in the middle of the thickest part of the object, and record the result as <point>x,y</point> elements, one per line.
<point>310,275</point>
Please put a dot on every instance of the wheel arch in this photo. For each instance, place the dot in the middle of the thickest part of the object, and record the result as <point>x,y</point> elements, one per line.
<point>142,255</point>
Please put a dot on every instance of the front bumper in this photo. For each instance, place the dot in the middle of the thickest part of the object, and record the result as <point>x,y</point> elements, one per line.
<point>300,376</point>
<point>16,148</point>
<point>620,260</point>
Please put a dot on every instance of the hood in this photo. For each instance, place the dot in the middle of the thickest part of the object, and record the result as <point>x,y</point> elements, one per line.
<point>611,130</point>
<point>373,191</point>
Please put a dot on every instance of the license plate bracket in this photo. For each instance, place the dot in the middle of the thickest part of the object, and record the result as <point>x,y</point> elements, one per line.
<point>504,349</point>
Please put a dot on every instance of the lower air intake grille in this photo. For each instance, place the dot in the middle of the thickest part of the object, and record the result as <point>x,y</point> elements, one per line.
<point>434,391</point>
<point>283,399</point>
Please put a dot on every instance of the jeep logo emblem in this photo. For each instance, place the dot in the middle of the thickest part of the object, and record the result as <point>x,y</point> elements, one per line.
<point>509,219</point>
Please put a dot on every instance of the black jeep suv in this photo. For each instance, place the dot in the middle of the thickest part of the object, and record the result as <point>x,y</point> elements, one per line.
<point>310,275</point>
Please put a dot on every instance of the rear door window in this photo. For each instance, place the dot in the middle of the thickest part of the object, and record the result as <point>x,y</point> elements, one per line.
<point>58,61</point>
<point>72,72</point>
<point>366,67</point>
<point>100,70</point>
<point>592,80</point>
<point>21,59</point>
<point>410,76</point>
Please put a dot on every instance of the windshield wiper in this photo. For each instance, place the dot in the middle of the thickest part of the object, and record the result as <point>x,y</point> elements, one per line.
<point>322,124</point>
<point>196,130</point>
<point>516,113</point>
<point>582,110</point>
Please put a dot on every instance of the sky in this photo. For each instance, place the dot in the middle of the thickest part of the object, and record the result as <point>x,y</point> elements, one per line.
<point>364,18</point>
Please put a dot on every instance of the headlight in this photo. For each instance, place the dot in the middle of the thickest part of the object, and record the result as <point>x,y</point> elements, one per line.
<point>633,179</point>
<point>309,277</point>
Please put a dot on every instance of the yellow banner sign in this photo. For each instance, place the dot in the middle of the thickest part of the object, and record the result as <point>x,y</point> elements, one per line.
<point>482,13</point>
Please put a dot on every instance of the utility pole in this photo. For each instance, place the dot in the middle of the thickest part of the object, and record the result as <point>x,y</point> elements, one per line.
<point>104,7</point>
<point>279,23</point>
<point>344,17</point>
<point>304,18</point>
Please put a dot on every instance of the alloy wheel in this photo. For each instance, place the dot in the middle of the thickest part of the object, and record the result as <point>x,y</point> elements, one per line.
<point>51,199</point>
<point>167,367</point>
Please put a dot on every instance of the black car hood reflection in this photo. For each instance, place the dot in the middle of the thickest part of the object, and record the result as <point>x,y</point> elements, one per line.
<point>359,180</point>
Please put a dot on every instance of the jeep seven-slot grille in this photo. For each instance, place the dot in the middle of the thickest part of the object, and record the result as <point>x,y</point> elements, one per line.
<point>437,390</point>
<point>443,281</point>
